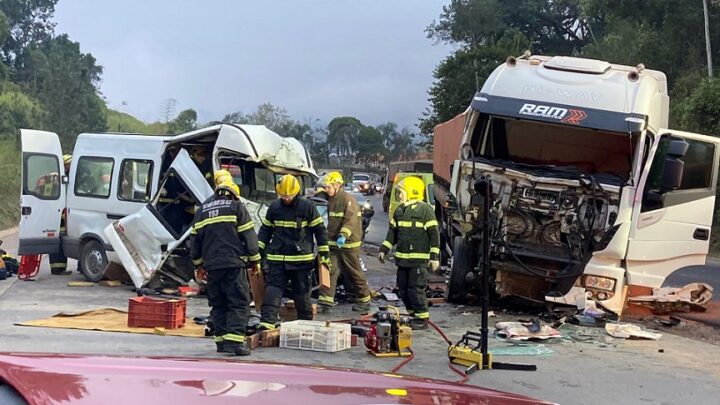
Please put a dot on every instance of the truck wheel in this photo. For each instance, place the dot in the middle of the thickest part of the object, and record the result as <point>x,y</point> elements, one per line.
<point>93,261</point>
<point>461,265</point>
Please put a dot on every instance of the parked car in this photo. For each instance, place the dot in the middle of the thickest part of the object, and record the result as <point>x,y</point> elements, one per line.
<point>48,379</point>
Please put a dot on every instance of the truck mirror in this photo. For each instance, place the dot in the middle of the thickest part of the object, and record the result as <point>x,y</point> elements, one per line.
<point>673,168</point>
<point>672,174</point>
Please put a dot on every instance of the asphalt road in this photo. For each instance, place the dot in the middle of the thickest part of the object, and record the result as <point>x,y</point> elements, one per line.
<point>379,224</point>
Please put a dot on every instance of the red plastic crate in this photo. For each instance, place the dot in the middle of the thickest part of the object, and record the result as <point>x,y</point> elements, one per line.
<point>151,313</point>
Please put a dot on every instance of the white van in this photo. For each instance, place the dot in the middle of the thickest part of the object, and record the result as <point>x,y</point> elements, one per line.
<point>114,182</point>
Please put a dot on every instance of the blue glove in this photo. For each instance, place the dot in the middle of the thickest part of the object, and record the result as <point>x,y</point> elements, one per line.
<point>341,241</point>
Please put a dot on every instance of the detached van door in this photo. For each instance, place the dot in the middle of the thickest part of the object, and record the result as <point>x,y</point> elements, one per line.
<point>144,240</point>
<point>42,194</point>
<point>671,228</point>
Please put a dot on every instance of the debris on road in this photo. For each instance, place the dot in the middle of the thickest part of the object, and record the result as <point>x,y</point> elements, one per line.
<point>110,283</point>
<point>692,297</point>
<point>522,350</point>
<point>630,331</point>
<point>518,331</point>
<point>80,284</point>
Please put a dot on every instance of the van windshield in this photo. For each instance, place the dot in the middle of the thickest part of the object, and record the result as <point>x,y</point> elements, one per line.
<point>530,143</point>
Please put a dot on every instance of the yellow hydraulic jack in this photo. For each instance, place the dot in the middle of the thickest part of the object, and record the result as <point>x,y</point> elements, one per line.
<point>463,353</point>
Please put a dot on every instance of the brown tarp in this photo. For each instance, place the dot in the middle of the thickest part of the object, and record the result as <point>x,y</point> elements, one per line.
<point>109,320</point>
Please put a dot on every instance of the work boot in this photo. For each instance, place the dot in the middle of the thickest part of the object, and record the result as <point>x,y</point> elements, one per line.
<point>418,324</point>
<point>363,308</point>
<point>235,348</point>
<point>60,272</point>
<point>324,308</point>
<point>220,346</point>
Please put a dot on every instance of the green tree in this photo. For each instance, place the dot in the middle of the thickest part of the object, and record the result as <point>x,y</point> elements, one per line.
<point>186,121</point>
<point>65,81</point>
<point>27,22</point>
<point>17,110</point>
<point>370,146</point>
<point>343,135</point>
<point>700,111</point>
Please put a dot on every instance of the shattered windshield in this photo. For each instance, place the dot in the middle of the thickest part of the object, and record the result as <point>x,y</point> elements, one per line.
<point>530,145</point>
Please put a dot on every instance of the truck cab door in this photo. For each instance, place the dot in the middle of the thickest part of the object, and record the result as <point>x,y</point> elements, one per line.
<point>42,194</point>
<point>671,225</point>
<point>145,239</point>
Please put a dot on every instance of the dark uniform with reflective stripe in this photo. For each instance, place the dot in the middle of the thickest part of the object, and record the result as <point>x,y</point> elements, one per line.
<point>58,261</point>
<point>224,242</point>
<point>287,240</point>
<point>414,230</point>
<point>345,218</point>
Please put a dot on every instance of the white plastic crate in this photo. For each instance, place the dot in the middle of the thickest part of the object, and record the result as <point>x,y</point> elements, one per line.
<point>315,335</point>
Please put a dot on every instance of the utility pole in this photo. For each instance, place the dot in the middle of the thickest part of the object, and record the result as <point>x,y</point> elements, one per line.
<point>707,39</point>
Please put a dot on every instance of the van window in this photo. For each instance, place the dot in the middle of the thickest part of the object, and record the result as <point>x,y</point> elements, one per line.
<point>264,180</point>
<point>41,176</point>
<point>698,168</point>
<point>135,180</point>
<point>93,177</point>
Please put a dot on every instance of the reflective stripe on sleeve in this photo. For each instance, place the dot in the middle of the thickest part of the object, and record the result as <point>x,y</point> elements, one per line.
<point>315,222</point>
<point>435,250</point>
<point>246,227</point>
<point>430,223</point>
<point>387,244</point>
<point>261,244</point>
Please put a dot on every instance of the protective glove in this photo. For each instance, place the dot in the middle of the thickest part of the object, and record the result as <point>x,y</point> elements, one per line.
<point>201,274</point>
<point>381,257</point>
<point>341,241</point>
<point>434,265</point>
<point>254,269</point>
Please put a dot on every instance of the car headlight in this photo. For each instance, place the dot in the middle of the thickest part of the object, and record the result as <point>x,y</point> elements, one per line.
<point>600,283</point>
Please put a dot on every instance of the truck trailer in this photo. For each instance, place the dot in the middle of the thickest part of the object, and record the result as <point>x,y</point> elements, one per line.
<point>593,198</point>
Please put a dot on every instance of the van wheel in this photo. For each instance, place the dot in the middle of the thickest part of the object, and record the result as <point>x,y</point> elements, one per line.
<point>93,261</point>
<point>461,264</point>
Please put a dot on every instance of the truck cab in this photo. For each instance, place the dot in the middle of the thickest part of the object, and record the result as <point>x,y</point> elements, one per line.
<point>593,197</point>
<point>117,193</point>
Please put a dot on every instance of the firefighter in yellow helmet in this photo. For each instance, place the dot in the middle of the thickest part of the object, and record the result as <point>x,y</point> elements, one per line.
<point>224,243</point>
<point>414,233</point>
<point>345,238</point>
<point>223,176</point>
<point>58,261</point>
<point>290,229</point>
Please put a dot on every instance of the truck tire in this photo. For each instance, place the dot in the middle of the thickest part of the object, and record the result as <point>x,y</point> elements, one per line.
<point>93,261</point>
<point>461,264</point>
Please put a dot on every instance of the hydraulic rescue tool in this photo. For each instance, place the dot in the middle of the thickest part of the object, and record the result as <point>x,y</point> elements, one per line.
<point>389,334</point>
<point>463,353</point>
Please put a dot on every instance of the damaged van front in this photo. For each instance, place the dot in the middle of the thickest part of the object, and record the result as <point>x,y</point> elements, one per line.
<point>151,243</point>
<point>592,198</point>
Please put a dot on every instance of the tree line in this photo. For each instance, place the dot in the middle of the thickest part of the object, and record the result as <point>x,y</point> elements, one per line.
<point>666,35</point>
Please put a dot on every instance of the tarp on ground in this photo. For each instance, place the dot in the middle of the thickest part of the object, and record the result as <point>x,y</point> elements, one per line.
<point>109,320</point>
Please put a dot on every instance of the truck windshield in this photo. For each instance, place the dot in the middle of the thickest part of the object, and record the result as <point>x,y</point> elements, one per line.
<point>530,143</point>
<point>361,177</point>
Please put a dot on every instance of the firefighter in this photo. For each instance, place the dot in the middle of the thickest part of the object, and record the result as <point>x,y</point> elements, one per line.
<point>291,228</point>
<point>344,235</point>
<point>414,230</point>
<point>58,261</point>
<point>199,155</point>
<point>224,245</point>
<point>222,176</point>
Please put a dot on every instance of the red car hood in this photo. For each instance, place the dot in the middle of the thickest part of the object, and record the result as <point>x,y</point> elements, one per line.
<point>55,379</point>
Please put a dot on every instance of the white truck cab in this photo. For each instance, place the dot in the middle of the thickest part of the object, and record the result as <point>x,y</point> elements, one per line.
<point>593,196</point>
<point>117,187</point>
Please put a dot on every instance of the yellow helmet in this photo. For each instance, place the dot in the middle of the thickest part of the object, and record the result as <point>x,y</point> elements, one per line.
<point>414,188</point>
<point>288,186</point>
<point>333,178</point>
<point>67,159</point>
<point>222,176</point>
<point>228,189</point>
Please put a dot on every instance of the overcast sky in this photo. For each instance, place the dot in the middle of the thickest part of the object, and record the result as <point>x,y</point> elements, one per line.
<point>316,59</point>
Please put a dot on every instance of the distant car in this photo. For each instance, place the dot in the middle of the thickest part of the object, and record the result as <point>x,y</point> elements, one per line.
<point>48,379</point>
<point>362,183</point>
<point>366,208</point>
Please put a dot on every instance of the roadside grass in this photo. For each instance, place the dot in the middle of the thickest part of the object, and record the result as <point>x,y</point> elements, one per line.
<point>9,183</point>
